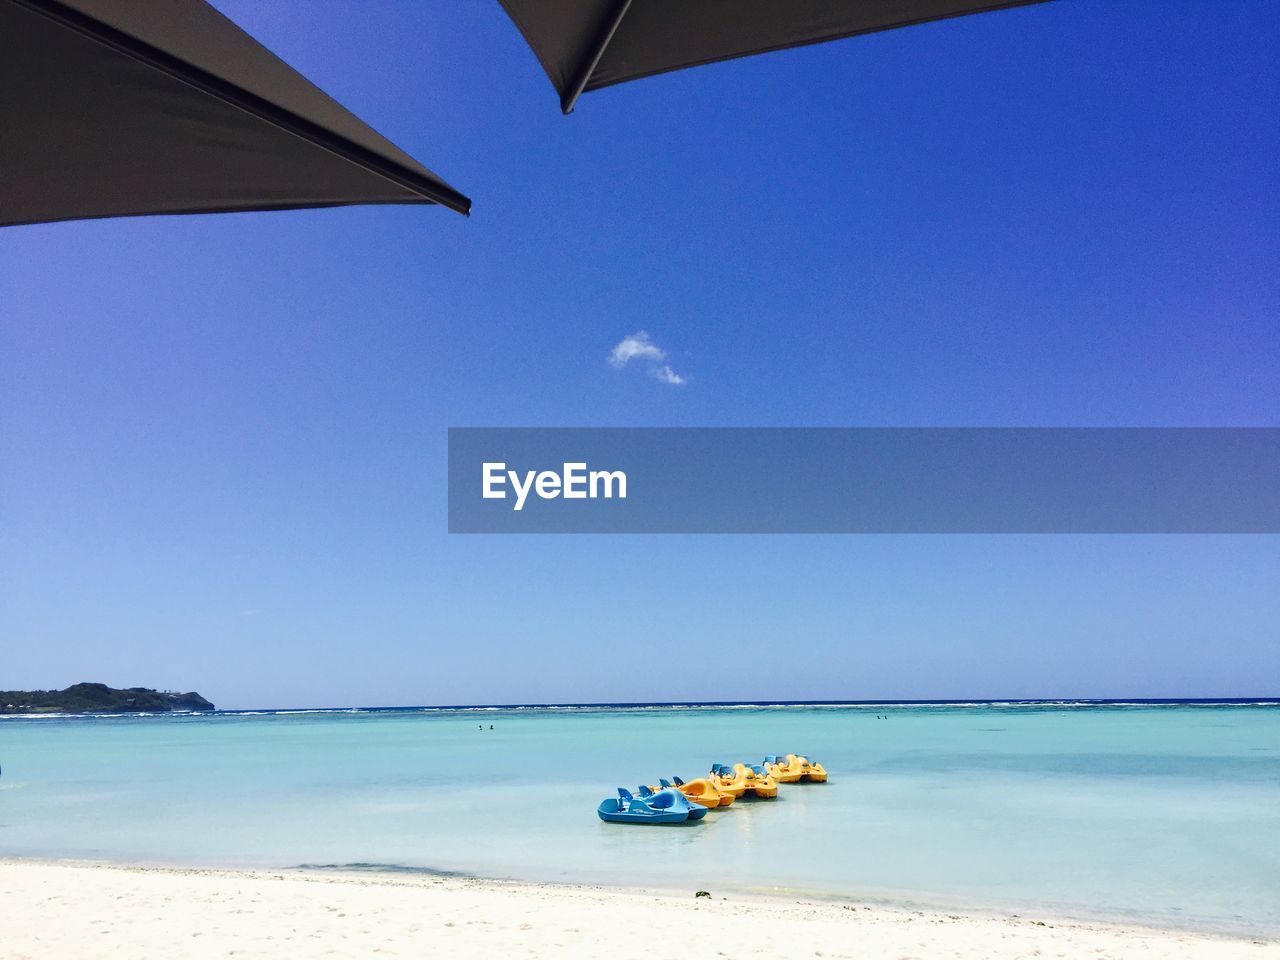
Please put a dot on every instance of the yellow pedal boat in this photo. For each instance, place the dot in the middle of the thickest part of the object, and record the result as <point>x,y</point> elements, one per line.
<point>781,771</point>
<point>727,780</point>
<point>757,780</point>
<point>701,791</point>
<point>809,769</point>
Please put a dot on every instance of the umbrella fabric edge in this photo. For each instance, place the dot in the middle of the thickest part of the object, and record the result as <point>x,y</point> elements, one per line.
<point>430,191</point>
<point>593,83</point>
<point>230,210</point>
<point>519,24</point>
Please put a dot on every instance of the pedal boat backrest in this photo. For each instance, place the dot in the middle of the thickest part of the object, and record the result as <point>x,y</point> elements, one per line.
<point>663,800</point>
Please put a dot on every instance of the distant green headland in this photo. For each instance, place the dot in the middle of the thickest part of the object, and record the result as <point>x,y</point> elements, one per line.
<point>99,698</point>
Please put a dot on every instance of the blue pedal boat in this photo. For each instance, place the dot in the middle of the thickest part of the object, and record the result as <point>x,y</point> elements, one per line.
<point>663,807</point>
<point>696,812</point>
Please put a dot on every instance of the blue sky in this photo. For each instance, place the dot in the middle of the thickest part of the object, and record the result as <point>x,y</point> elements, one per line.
<point>224,437</point>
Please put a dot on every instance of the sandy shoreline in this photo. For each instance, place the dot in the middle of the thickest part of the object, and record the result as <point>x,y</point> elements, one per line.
<point>54,910</point>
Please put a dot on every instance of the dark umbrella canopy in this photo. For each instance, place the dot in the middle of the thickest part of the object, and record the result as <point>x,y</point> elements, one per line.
<point>588,44</point>
<point>125,107</point>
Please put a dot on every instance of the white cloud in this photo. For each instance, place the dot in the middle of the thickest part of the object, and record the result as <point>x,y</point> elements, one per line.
<point>667,375</point>
<point>640,347</point>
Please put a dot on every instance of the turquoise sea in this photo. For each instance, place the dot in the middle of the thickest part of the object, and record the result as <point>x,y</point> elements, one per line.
<point>1166,814</point>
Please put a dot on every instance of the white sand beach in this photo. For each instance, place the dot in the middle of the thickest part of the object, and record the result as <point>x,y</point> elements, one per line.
<point>52,910</point>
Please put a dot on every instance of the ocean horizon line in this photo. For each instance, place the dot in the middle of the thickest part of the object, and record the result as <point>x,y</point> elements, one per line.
<point>675,705</point>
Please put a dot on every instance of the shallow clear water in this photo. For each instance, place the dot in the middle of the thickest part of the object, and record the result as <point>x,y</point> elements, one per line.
<point>1166,814</point>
